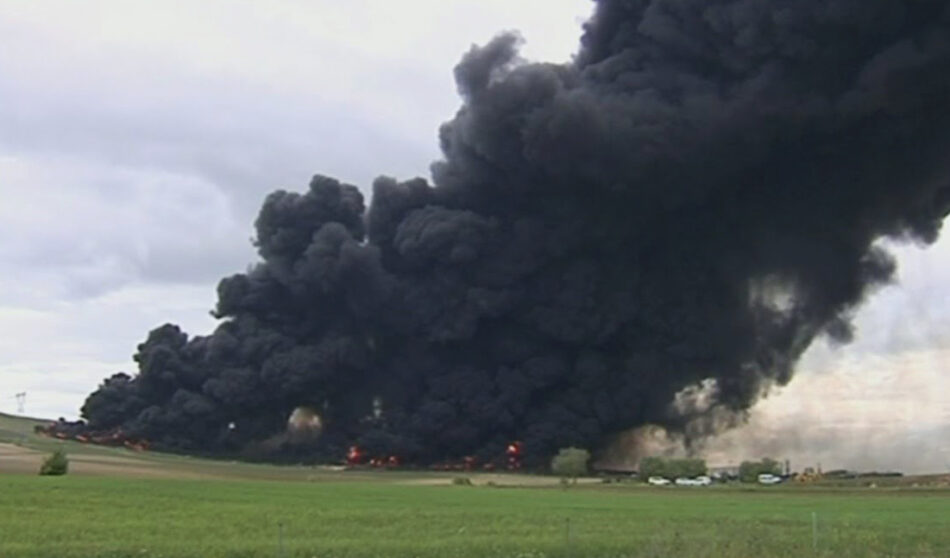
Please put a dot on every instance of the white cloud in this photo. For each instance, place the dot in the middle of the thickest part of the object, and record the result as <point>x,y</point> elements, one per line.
<point>59,351</point>
<point>83,228</point>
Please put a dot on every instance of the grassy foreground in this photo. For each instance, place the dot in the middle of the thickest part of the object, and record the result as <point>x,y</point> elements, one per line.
<point>73,517</point>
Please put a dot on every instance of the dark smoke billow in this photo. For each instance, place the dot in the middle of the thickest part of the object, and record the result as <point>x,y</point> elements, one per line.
<point>691,201</point>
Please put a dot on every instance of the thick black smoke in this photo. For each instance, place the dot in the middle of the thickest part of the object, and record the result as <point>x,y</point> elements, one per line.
<point>692,200</point>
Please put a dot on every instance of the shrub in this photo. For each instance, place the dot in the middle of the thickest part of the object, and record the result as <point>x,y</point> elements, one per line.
<point>462,481</point>
<point>570,462</point>
<point>55,464</point>
<point>652,467</point>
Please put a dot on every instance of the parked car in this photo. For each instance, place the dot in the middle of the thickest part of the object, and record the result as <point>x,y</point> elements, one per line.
<point>702,480</point>
<point>658,481</point>
<point>769,478</point>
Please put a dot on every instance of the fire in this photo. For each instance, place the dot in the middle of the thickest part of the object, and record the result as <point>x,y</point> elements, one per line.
<point>510,459</point>
<point>354,455</point>
<point>514,455</point>
<point>391,461</point>
<point>76,431</point>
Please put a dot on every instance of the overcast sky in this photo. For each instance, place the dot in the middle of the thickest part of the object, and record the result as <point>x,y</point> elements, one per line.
<point>138,139</point>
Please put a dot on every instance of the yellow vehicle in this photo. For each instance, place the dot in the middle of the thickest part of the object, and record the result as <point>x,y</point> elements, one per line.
<point>808,475</point>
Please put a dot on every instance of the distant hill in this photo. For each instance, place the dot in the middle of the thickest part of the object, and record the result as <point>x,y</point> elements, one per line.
<point>13,428</point>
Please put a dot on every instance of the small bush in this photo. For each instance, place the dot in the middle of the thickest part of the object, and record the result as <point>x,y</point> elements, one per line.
<point>55,464</point>
<point>570,462</point>
<point>462,481</point>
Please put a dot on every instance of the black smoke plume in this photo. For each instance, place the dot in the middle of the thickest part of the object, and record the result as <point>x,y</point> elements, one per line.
<point>691,201</point>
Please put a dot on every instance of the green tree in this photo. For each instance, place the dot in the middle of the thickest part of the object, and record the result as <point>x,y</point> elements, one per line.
<point>570,462</point>
<point>688,468</point>
<point>749,471</point>
<point>652,467</point>
<point>55,464</point>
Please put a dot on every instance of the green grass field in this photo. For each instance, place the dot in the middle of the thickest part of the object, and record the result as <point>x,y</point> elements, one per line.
<point>121,517</point>
<point>240,510</point>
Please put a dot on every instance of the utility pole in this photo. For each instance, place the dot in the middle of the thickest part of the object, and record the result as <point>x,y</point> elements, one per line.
<point>20,402</point>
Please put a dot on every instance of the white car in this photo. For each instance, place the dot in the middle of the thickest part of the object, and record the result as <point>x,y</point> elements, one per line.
<point>769,478</point>
<point>658,481</point>
<point>702,480</point>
